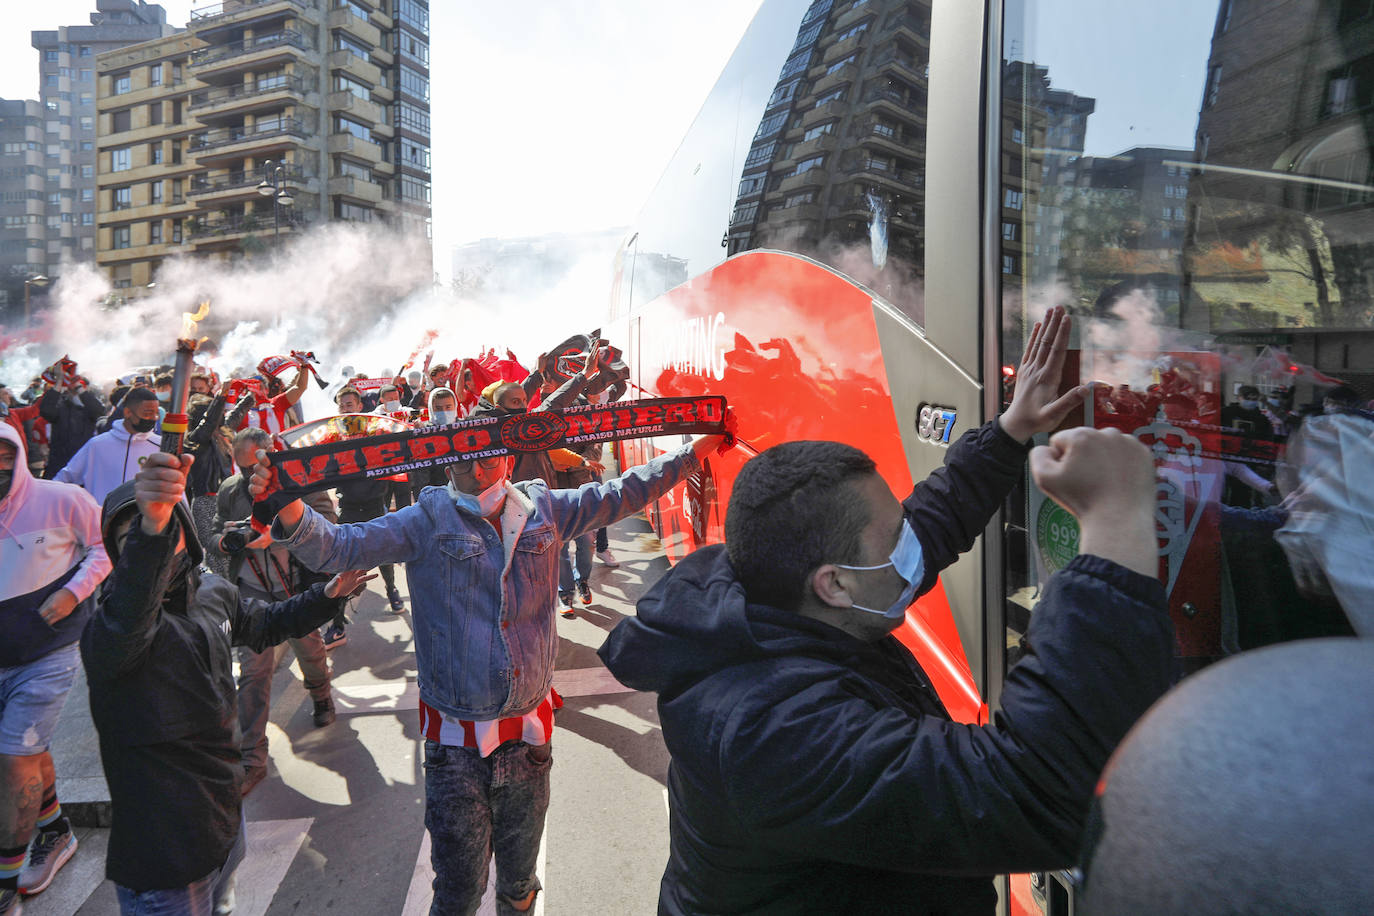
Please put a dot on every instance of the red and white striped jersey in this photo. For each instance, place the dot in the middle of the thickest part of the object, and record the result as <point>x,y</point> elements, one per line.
<point>535,727</point>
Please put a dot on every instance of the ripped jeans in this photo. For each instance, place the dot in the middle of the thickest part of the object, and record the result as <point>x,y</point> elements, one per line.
<point>477,807</point>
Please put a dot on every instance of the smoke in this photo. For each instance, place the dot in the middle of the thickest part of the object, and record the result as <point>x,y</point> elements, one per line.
<point>359,295</point>
<point>877,229</point>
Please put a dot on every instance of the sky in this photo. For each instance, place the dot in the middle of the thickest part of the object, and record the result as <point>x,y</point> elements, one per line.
<point>547,116</point>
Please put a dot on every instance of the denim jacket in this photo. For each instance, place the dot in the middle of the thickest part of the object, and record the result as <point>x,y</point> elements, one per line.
<point>484,628</point>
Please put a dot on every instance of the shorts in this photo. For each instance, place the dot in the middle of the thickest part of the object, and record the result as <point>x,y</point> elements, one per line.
<point>31,700</point>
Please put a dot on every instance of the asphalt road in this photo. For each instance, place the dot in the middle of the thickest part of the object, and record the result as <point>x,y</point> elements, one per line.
<point>338,825</point>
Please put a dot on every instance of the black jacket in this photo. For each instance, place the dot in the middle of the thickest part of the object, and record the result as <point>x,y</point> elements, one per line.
<point>70,424</point>
<point>158,660</point>
<point>813,772</point>
<point>212,464</point>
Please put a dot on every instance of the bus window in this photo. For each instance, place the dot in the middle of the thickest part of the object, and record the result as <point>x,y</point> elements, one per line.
<point>812,142</point>
<point>1193,182</point>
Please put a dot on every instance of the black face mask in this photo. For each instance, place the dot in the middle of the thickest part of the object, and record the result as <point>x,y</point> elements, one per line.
<point>142,426</point>
<point>6,478</point>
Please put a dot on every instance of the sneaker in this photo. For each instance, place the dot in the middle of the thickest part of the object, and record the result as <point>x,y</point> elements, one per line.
<point>252,775</point>
<point>605,556</point>
<point>224,902</point>
<point>565,601</point>
<point>397,605</point>
<point>334,636</point>
<point>49,851</point>
<point>324,712</point>
<point>584,591</point>
<point>11,904</point>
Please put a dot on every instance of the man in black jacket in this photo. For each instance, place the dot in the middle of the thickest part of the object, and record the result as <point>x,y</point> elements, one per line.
<point>159,664</point>
<point>814,769</point>
<point>71,413</point>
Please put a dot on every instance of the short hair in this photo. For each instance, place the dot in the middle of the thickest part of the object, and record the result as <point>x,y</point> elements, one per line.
<point>443,393</point>
<point>387,389</point>
<point>135,397</point>
<point>503,390</point>
<point>1248,391</point>
<point>162,380</point>
<point>347,389</point>
<point>256,435</point>
<point>792,508</point>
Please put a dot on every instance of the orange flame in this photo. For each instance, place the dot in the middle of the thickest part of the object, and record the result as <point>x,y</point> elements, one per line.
<point>189,321</point>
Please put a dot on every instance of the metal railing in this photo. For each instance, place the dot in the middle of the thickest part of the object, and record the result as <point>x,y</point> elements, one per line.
<point>227,135</point>
<point>216,53</point>
<point>292,84</point>
<point>247,178</point>
<point>233,7</point>
<point>236,224</point>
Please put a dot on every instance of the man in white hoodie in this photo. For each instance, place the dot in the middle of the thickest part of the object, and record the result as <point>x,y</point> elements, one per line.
<point>113,457</point>
<point>52,559</point>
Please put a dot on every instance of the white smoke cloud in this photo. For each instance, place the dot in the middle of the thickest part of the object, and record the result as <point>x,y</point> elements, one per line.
<point>354,295</point>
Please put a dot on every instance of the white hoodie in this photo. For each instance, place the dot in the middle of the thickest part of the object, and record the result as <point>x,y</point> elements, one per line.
<point>47,530</point>
<point>109,459</point>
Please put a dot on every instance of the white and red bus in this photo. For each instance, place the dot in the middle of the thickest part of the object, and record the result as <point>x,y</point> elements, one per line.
<point>879,197</point>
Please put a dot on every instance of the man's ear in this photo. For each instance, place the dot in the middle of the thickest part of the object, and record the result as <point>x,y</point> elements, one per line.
<point>827,586</point>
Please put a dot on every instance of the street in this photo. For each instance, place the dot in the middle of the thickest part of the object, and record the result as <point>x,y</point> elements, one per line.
<point>338,825</point>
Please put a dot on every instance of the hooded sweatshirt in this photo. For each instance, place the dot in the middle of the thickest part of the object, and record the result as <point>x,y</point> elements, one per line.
<point>49,539</point>
<point>108,460</point>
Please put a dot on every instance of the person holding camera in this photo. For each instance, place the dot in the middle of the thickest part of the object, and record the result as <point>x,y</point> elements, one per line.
<point>268,573</point>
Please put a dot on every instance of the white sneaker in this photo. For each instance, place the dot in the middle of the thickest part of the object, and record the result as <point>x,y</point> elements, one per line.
<point>605,556</point>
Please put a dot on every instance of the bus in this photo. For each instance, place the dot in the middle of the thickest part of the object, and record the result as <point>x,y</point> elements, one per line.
<point>879,197</point>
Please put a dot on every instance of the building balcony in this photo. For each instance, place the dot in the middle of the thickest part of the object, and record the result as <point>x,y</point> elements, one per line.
<point>237,12</point>
<point>214,186</point>
<point>811,178</point>
<point>896,141</point>
<point>912,29</point>
<point>354,65</point>
<point>875,171</point>
<point>347,144</point>
<point>843,48</point>
<point>383,168</point>
<point>903,66</point>
<point>830,111</point>
<point>807,148</point>
<point>362,29</point>
<point>246,96</point>
<point>233,228</point>
<point>841,77</point>
<point>852,16</point>
<point>358,108</point>
<point>282,45</point>
<point>903,104</point>
<point>357,189</point>
<point>230,141</point>
<point>795,214</point>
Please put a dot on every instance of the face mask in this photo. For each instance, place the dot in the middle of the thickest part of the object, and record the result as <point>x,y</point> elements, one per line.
<point>1249,404</point>
<point>143,426</point>
<point>910,564</point>
<point>164,396</point>
<point>445,417</point>
<point>1275,402</point>
<point>391,406</point>
<point>485,503</point>
<point>6,478</point>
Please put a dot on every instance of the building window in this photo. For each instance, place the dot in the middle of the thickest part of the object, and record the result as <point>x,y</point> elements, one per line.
<point>346,84</point>
<point>155,153</point>
<point>121,84</point>
<point>1009,232</point>
<point>1018,136</point>
<point>1008,263</point>
<point>745,213</point>
<point>851,32</point>
<point>120,121</point>
<point>414,154</point>
<point>797,200</point>
<point>414,83</point>
<point>155,113</point>
<point>760,154</point>
<point>345,42</point>
<point>345,210</point>
<point>87,76</point>
<point>414,48</point>
<point>87,146</point>
<point>795,64</point>
<point>1213,86</point>
<point>121,237</point>
<point>413,12</point>
<point>819,130</point>
<point>87,122</point>
<point>120,159</point>
<point>414,189</point>
<point>771,125</point>
<point>87,195</point>
<point>412,117</point>
<point>50,56</point>
<point>155,75</point>
<point>155,232</point>
<point>176,232</point>
<point>806,165</point>
<point>85,50</point>
<point>348,126</point>
<point>784,93</point>
<point>841,63</point>
<point>750,185</point>
<point>834,95</point>
<point>1011,199</point>
<point>123,198</point>
<point>155,192</point>
<point>88,171</point>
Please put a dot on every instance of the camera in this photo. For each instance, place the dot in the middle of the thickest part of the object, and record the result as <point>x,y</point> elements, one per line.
<point>235,539</point>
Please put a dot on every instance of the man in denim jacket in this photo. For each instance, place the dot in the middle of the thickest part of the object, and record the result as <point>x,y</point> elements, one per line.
<point>481,557</point>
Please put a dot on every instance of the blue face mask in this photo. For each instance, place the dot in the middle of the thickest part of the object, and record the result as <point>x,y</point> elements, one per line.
<point>444,417</point>
<point>910,564</point>
<point>1249,404</point>
<point>486,503</point>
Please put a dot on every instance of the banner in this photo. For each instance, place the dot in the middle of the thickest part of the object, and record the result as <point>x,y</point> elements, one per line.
<point>366,385</point>
<point>336,455</point>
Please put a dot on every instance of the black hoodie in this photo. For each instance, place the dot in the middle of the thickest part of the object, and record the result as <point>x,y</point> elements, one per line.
<point>815,773</point>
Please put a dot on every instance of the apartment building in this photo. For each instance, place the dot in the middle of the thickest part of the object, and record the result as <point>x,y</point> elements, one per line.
<point>281,114</point>
<point>23,233</point>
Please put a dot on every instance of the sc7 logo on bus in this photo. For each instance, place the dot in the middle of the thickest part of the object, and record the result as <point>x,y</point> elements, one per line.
<point>934,424</point>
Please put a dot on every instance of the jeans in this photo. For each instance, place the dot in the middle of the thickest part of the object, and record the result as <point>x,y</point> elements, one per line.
<point>603,542</point>
<point>31,700</point>
<point>255,689</point>
<point>583,551</point>
<point>195,899</point>
<point>477,807</point>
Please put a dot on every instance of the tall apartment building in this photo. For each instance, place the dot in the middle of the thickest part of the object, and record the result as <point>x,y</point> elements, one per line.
<point>23,232</point>
<point>67,92</point>
<point>324,100</point>
<point>840,150</point>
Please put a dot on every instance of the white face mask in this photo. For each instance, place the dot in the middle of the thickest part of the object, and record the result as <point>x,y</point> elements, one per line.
<point>486,503</point>
<point>391,406</point>
<point>909,561</point>
<point>445,417</point>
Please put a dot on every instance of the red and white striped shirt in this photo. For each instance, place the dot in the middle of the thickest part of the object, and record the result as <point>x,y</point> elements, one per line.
<point>534,727</point>
<point>270,416</point>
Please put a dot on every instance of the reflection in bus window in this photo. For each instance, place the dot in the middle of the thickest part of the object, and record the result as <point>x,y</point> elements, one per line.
<point>1210,223</point>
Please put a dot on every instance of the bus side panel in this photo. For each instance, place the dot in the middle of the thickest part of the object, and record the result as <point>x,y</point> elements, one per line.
<point>794,348</point>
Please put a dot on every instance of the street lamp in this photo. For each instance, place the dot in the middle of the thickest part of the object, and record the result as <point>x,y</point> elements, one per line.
<point>38,280</point>
<point>274,186</point>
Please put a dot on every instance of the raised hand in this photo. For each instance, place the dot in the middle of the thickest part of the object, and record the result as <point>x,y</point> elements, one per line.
<point>158,486</point>
<point>1037,406</point>
<point>348,584</point>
